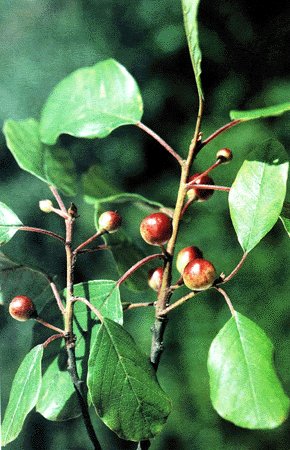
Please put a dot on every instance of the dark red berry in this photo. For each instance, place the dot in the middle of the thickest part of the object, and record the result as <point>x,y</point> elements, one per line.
<point>110,221</point>
<point>156,229</point>
<point>199,274</point>
<point>155,278</point>
<point>186,255</point>
<point>22,308</point>
<point>194,193</point>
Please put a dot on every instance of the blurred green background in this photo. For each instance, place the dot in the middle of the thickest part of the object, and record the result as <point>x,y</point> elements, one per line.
<point>245,65</point>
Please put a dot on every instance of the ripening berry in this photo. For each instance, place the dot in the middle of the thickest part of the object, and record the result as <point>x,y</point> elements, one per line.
<point>110,221</point>
<point>199,274</point>
<point>200,195</point>
<point>22,308</point>
<point>186,255</point>
<point>156,229</point>
<point>225,155</point>
<point>155,278</point>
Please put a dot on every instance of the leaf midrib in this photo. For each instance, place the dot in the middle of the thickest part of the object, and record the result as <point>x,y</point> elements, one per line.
<point>127,376</point>
<point>248,369</point>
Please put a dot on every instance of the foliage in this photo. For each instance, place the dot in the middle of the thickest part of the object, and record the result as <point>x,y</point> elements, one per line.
<point>105,97</point>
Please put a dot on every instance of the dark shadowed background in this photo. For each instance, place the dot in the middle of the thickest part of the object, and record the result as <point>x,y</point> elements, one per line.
<point>245,48</point>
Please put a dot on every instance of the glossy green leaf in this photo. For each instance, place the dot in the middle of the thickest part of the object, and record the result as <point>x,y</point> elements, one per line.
<point>257,194</point>
<point>57,400</point>
<point>123,386</point>
<point>15,278</point>
<point>285,217</point>
<point>51,165</point>
<point>104,295</point>
<point>275,110</point>
<point>23,396</point>
<point>9,224</point>
<point>91,102</point>
<point>190,10</point>
<point>244,387</point>
<point>96,185</point>
<point>126,253</point>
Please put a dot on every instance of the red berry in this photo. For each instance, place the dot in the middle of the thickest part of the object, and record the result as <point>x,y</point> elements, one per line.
<point>22,308</point>
<point>199,274</point>
<point>225,155</point>
<point>155,278</point>
<point>200,194</point>
<point>110,221</point>
<point>156,229</point>
<point>186,255</point>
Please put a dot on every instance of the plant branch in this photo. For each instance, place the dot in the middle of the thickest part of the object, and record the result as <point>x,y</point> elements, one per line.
<point>127,306</point>
<point>89,240</point>
<point>227,299</point>
<point>187,205</point>
<point>227,126</point>
<point>92,250</point>
<point>89,305</point>
<point>49,325</point>
<point>165,293</point>
<point>41,231</point>
<point>70,338</point>
<point>178,303</point>
<point>137,266</point>
<point>51,339</point>
<point>236,269</point>
<point>56,294</point>
<point>58,199</point>
<point>78,384</point>
<point>212,187</point>
<point>161,141</point>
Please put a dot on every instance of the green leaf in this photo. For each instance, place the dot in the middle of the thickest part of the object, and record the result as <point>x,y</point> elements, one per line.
<point>123,386</point>
<point>96,185</point>
<point>51,165</point>
<point>9,224</point>
<point>15,278</point>
<point>285,217</point>
<point>244,387</point>
<point>23,396</point>
<point>275,110</point>
<point>190,10</point>
<point>257,194</point>
<point>91,102</point>
<point>104,295</point>
<point>57,400</point>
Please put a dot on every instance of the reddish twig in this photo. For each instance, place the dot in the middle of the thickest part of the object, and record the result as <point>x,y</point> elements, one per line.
<point>236,269</point>
<point>179,302</point>
<point>212,187</point>
<point>51,339</point>
<point>227,299</point>
<point>56,295</point>
<point>225,127</point>
<point>58,199</point>
<point>161,141</point>
<point>49,325</point>
<point>41,231</point>
<point>137,305</point>
<point>88,241</point>
<point>137,266</point>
